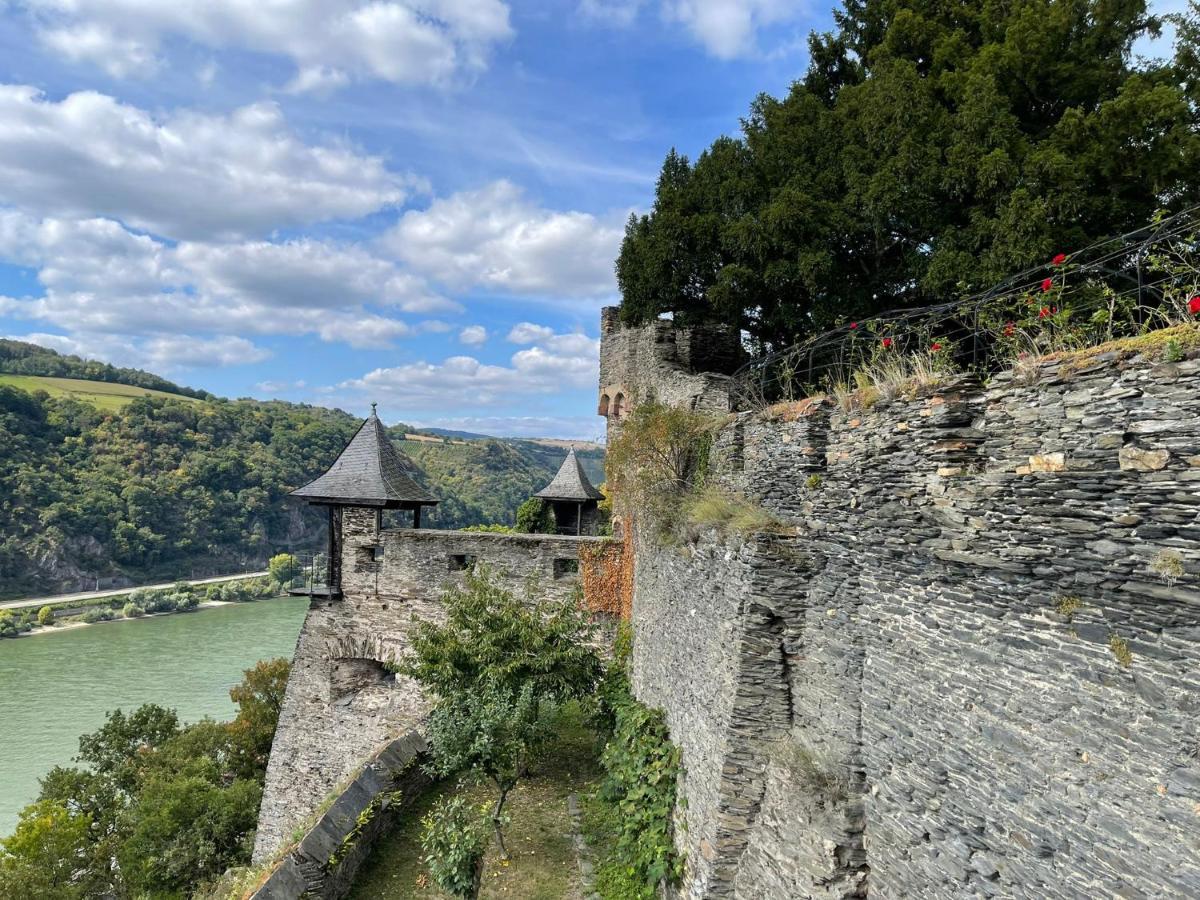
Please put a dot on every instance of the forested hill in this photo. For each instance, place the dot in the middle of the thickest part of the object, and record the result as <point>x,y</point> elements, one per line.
<point>164,488</point>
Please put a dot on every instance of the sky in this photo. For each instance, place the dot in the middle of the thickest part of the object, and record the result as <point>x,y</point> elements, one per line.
<point>412,202</point>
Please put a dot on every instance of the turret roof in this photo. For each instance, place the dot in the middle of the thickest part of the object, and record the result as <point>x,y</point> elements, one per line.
<point>370,471</point>
<point>571,483</point>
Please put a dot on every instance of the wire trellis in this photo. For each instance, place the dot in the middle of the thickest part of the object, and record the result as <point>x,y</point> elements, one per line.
<point>1117,287</point>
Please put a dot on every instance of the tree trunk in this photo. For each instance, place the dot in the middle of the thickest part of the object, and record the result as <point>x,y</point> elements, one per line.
<point>496,821</point>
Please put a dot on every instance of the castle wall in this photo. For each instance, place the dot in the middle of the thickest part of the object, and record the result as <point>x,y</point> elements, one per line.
<point>674,366</point>
<point>342,704</point>
<point>921,688</point>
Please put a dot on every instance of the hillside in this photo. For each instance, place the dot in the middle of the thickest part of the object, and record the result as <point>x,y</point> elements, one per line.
<point>97,483</point>
<point>101,394</point>
<point>22,358</point>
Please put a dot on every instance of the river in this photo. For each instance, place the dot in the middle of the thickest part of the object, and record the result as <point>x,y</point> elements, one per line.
<point>56,686</point>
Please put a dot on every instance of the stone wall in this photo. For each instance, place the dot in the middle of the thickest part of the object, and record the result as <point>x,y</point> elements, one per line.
<point>967,664</point>
<point>342,702</point>
<point>325,859</point>
<point>686,367</point>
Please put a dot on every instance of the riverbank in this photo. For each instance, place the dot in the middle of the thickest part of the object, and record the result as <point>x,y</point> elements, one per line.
<point>66,624</point>
<point>105,606</point>
<point>86,598</point>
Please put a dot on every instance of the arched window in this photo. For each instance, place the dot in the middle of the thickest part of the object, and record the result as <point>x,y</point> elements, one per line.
<point>604,404</point>
<point>618,406</point>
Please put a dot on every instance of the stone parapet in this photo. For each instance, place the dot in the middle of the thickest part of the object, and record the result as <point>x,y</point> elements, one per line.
<point>971,664</point>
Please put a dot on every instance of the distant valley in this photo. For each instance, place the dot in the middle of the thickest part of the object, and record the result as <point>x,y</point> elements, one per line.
<point>118,476</point>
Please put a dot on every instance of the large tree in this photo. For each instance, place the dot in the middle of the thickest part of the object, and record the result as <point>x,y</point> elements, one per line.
<point>932,149</point>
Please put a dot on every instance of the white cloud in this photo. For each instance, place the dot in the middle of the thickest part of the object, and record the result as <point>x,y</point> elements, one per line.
<point>529,333</point>
<point>473,336</point>
<point>727,29</point>
<point>306,273</point>
<point>495,239</point>
<point>274,388</point>
<point>185,175</point>
<point>329,41</point>
<point>162,354</point>
<point>100,278</point>
<point>578,428</point>
<point>620,13</point>
<point>563,361</point>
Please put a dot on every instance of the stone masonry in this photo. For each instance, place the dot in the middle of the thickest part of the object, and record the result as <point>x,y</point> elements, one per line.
<point>686,367</point>
<point>342,702</point>
<point>968,662</point>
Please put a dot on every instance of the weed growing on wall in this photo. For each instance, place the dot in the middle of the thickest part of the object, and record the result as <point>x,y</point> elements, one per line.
<point>1067,606</point>
<point>660,454</point>
<point>1120,650</point>
<point>1168,566</point>
<point>730,514</point>
<point>633,811</point>
<point>658,465</point>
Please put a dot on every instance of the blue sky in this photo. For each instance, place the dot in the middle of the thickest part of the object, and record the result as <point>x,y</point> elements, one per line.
<point>336,201</point>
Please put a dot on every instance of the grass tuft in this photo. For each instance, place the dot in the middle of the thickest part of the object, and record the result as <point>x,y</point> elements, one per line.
<point>731,514</point>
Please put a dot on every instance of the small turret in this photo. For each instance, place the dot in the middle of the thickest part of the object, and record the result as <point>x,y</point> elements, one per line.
<point>370,472</point>
<point>574,498</point>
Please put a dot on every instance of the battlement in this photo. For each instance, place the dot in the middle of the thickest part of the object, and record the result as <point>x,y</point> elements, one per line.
<point>678,366</point>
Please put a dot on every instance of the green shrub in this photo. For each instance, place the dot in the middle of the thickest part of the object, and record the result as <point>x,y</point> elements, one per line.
<point>186,602</point>
<point>642,767</point>
<point>96,614</point>
<point>535,516</point>
<point>8,624</point>
<point>283,567</point>
<point>493,529</point>
<point>454,838</point>
<point>131,610</point>
<point>45,616</point>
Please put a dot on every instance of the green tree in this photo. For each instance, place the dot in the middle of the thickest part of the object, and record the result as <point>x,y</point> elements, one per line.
<point>489,730</point>
<point>183,831</point>
<point>930,149</point>
<point>45,616</point>
<point>283,567</point>
<point>535,516</point>
<point>498,666</point>
<point>41,858</point>
<point>259,698</point>
<point>490,636</point>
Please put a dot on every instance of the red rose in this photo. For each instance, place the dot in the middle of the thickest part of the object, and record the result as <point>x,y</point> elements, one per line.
<point>1043,312</point>
<point>887,342</point>
<point>1194,305</point>
<point>1059,259</point>
<point>936,347</point>
<point>1047,284</point>
<point>853,324</point>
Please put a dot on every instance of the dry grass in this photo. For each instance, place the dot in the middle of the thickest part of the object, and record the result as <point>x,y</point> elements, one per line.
<point>1154,345</point>
<point>794,410</point>
<point>730,514</point>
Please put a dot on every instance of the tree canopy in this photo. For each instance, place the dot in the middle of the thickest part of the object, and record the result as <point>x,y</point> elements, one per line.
<point>930,150</point>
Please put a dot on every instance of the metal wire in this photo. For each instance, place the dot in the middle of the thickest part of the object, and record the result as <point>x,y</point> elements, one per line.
<point>1113,288</point>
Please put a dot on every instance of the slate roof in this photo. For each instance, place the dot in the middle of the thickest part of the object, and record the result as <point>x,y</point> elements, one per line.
<point>369,472</point>
<point>571,483</point>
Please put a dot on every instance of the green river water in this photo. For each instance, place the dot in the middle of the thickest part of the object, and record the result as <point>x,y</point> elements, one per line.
<point>58,685</point>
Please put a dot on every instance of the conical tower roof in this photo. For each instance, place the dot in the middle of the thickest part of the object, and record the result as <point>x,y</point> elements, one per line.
<point>571,483</point>
<point>369,472</point>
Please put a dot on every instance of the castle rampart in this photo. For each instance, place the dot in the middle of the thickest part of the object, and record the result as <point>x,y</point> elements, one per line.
<point>342,702</point>
<point>969,663</point>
